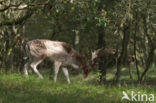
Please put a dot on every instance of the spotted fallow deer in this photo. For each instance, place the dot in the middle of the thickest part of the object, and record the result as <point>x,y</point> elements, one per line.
<point>60,53</point>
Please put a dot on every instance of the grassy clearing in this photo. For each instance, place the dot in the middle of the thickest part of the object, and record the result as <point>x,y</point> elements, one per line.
<point>16,88</point>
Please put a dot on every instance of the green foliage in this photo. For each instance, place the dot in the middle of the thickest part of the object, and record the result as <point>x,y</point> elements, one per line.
<point>98,76</point>
<point>101,21</point>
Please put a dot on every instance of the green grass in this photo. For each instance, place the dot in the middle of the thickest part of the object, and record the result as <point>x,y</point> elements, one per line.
<point>16,88</point>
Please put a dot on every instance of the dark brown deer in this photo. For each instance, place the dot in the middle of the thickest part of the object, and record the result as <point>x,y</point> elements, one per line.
<point>60,53</point>
<point>97,54</point>
<point>110,54</point>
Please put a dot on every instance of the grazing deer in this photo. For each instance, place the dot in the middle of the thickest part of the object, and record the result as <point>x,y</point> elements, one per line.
<point>97,54</point>
<point>60,53</point>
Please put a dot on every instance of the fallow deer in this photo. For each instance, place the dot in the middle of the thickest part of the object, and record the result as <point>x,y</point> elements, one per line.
<point>60,53</point>
<point>98,54</point>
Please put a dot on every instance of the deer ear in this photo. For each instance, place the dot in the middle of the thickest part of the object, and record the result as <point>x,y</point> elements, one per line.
<point>94,51</point>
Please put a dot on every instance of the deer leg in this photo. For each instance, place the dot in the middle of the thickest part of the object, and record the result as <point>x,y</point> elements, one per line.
<point>56,69</point>
<point>65,71</point>
<point>34,65</point>
<point>26,67</point>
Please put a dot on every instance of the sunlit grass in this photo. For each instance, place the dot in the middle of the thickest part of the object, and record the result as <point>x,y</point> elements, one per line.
<point>16,88</point>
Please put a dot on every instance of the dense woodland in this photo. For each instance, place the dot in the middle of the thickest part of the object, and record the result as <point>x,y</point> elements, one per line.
<point>128,26</point>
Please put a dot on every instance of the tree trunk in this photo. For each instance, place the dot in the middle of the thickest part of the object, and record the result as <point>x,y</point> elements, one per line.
<point>150,45</point>
<point>123,55</point>
<point>21,49</point>
<point>134,37</point>
<point>101,44</point>
<point>76,40</point>
<point>148,63</point>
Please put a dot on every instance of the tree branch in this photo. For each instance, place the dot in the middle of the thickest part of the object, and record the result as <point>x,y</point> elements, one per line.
<point>21,6</point>
<point>19,20</point>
